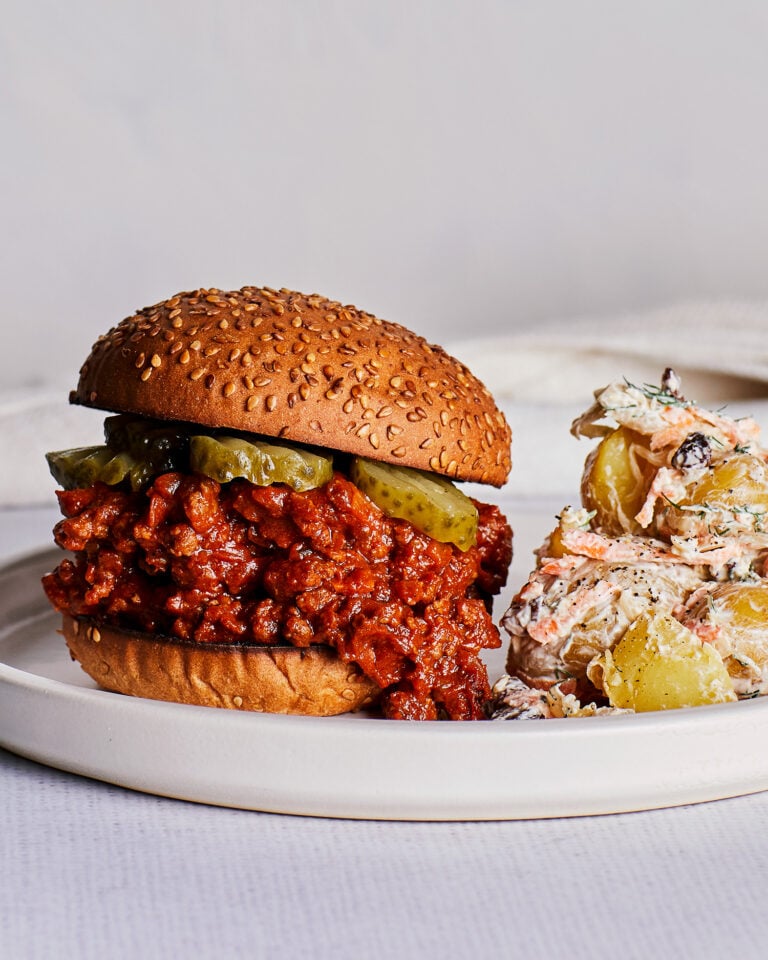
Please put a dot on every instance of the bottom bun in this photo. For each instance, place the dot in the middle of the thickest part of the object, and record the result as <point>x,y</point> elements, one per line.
<point>313,681</point>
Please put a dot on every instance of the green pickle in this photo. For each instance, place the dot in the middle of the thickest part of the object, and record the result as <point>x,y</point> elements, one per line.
<point>158,447</point>
<point>227,458</point>
<point>431,503</point>
<point>82,466</point>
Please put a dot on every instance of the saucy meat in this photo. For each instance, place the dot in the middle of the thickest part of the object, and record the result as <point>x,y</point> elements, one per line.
<point>205,562</point>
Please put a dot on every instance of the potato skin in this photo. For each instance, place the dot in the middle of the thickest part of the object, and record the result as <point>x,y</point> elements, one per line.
<point>617,476</point>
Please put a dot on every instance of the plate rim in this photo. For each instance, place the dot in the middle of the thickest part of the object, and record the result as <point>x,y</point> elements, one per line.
<point>442,748</point>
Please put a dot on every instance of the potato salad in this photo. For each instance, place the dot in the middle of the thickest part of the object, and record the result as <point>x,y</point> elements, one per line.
<point>652,593</point>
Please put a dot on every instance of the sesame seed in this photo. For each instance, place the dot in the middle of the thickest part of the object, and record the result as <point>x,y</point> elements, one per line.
<point>316,426</point>
<point>228,389</point>
<point>196,373</point>
<point>140,360</point>
<point>271,402</point>
<point>374,441</point>
<point>238,701</point>
<point>250,403</point>
<point>185,357</point>
<point>195,345</point>
<point>146,374</point>
<point>155,361</point>
<point>95,635</point>
<point>398,452</point>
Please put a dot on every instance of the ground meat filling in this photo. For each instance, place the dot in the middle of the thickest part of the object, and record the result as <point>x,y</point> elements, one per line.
<point>193,559</point>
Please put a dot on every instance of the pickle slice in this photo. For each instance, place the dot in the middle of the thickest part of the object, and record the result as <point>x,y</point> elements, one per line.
<point>226,458</point>
<point>82,466</point>
<point>161,447</point>
<point>431,503</point>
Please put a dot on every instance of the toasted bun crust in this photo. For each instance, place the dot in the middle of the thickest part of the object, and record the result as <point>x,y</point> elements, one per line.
<point>314,682</point>
<point>284,364</point>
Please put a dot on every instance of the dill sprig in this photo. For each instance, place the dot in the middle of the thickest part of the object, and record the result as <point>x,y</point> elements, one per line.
<point>658,394</point>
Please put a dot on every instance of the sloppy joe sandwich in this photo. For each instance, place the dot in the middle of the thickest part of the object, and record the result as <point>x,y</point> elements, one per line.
<point>274,520</point>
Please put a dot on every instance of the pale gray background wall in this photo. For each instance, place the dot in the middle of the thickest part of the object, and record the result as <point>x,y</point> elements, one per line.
<point>459,167</point>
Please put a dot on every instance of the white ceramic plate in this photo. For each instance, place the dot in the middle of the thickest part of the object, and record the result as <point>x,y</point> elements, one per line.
<point>360,767</point>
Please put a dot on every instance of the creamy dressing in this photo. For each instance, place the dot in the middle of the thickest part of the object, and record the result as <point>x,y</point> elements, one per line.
<point>700,547</point>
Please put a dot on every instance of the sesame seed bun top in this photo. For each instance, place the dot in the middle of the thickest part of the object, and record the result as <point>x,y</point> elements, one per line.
<point>285,364</point>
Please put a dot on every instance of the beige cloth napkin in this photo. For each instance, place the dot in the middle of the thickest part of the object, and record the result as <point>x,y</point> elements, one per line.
<point>542,378</point>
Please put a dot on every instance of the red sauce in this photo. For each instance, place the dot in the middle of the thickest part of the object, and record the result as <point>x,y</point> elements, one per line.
<point>265,565</point>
